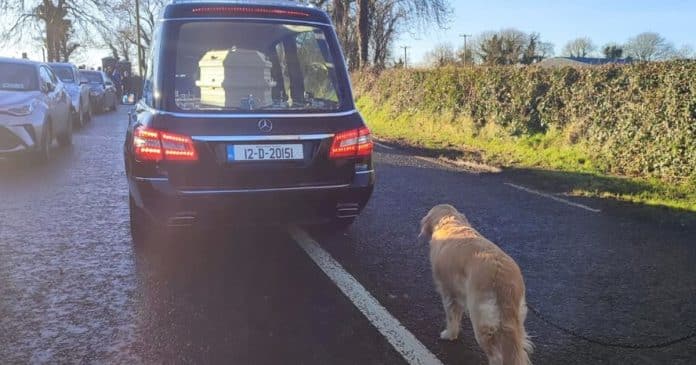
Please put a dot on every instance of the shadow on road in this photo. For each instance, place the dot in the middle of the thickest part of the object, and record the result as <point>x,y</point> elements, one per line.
<point>605,275</point>
<point>21,168</point>
<point>245,296</point>
<point>572,183</point>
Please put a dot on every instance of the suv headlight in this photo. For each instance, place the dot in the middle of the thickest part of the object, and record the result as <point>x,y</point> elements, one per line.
<point>21,111</point>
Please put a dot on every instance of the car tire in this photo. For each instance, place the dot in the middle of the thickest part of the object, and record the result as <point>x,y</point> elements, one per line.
<point>88,113</point>
<point>43,154</point>
<point>79,120</point>
<point>65,139</point>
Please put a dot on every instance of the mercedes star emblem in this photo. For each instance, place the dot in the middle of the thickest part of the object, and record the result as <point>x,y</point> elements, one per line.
<point>265,125</point>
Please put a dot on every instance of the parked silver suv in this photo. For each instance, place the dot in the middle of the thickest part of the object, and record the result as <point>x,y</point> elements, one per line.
<point>34,109</point>
<point>77,88</point>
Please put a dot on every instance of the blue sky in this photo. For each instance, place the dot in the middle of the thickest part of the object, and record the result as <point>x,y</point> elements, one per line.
<point>559,21</point>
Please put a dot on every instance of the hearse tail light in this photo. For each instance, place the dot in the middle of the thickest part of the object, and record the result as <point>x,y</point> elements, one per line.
<point>151,145</point>
<point>352,143</point>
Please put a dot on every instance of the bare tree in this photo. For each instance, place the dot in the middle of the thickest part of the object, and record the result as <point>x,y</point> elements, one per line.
<point>367,28</point>
<point>417,14</point>
<point>649,46</point>
<point>510,47</point>
<point>441,55</point>
<point>613,51</point>
<point>364,28</point>
<point>119,32</point>
<point>55,20</point>
<point>580,47</point>
<point>686,52</point>
<point>466,56</point>
<point>546,50</point>
<point>384,28</point>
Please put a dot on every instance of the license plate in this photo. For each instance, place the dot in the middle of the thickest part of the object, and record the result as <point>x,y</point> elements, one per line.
<point>265,152</point>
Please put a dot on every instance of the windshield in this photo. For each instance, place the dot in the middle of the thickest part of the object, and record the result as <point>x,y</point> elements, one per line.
<point>18,77</point>
<point>282,67</point>
<point>93,77</point>
<point>64,73</point>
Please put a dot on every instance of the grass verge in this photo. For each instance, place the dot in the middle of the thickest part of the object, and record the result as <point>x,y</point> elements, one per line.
<point>547,161</point>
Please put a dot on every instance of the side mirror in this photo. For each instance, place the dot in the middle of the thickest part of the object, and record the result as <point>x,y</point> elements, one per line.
<point>109,83</point>
<point>83,81</point>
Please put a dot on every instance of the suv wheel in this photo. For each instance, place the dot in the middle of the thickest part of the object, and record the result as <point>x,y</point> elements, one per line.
<point>78,119</point>
<point>88,113</point>
<point>43,153</point>
<point>65,139</point>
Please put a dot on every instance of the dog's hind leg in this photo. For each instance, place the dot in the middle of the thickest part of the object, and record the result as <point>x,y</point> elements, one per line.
<point>488,339</point>
<point>485,319</point>
<point>453,313</point>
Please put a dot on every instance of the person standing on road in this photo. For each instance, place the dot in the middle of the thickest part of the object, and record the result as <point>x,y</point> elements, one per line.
<point>116,78</point>
<point>126,83</point>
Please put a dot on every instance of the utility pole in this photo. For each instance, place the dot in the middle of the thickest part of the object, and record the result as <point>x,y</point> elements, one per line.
<point>140,48</point>
<point>465,36</point>
<point>405,56</point>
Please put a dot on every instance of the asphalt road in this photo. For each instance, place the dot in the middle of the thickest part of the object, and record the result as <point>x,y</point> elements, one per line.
<point>73,289</point>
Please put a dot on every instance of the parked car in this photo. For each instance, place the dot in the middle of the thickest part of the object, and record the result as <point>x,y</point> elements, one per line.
<point>102,92</point>
<point>34,109</point>
<point>236,128</point>
<point>81,109</point>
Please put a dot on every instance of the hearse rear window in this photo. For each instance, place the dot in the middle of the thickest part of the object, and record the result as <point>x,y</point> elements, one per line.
<point>250,67</point>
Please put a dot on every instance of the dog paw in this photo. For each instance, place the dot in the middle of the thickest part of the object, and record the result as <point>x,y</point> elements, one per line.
<point>447,335</point>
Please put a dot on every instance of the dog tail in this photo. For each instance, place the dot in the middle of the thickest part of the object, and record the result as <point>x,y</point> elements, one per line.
<point>514,341</point>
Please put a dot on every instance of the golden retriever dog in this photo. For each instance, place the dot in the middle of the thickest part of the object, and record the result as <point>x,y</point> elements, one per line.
<point>474,276</point>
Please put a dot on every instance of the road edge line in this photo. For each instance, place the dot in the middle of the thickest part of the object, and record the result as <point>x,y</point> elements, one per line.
<point>401,339</point>
<point>384,145</point>
<point>549,196</point>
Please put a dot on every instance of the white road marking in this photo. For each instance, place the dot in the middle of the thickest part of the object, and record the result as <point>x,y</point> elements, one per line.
<point>403,341</point>
<point>384,145</point>
<point>552,197</point>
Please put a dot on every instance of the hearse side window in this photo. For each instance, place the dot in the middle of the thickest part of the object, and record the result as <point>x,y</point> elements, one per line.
<point>253,66</point>
<point>149,81</point>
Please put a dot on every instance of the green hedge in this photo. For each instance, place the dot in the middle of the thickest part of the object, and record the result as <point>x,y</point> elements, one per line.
<point>638,120</point>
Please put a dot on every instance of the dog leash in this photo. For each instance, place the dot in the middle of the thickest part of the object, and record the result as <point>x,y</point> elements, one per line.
<point>573,333</point>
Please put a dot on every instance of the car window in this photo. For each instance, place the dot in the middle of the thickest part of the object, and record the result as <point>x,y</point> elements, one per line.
<point>16,77</point>
<point>64,73</point>
<point>52,76</point>
<point>283,67</point>
<point>149,81</point>
<point>93,77</point>
<point>45,75</point>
